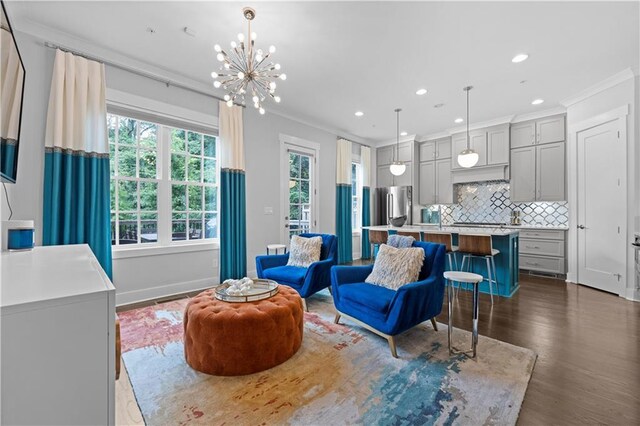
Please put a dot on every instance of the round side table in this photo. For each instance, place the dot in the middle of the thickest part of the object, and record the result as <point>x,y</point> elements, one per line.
<point>276,247</point>
<point>468,278</point>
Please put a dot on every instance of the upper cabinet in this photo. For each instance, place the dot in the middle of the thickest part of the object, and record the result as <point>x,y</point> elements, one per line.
<point>491,144</point>
<point>535,132</point>
<point>434,178</point>
<point>538,160</point>
<point>386,155</point>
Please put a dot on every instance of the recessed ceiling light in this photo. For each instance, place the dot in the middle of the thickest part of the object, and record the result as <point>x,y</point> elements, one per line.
<point>421,92</point>
<point>537,101</point>
<point>359,113</point>
<point>403,133</point>
<point>519,58</point>
<point>438,105</point>
<point>458,120</point>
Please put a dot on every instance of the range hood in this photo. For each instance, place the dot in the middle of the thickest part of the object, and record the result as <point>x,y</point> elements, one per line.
<point>480,174</point>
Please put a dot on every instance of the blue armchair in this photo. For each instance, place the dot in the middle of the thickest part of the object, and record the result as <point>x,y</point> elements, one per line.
<point>387,312</point>
<point>306,281</point>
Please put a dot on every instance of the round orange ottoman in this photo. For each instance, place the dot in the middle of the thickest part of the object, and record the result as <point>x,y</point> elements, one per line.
<point>232,339</point>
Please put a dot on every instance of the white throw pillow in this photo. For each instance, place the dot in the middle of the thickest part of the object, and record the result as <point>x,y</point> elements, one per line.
<point>304,251</point>
<point>396,267</point>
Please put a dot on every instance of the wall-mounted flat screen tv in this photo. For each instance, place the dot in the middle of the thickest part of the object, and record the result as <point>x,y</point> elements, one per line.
<point>11,96</point>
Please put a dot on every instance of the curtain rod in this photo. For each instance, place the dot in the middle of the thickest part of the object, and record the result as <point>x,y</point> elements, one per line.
<point>135,71</point>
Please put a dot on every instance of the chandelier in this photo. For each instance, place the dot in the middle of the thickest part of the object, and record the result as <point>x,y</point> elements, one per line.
<point>247,72</point>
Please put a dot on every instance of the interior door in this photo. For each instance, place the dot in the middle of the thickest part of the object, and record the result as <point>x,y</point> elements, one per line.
<point>601,215</point>
<point>300,196</point>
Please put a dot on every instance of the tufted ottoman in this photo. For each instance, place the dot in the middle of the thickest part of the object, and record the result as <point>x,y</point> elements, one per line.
<point>232,339</point>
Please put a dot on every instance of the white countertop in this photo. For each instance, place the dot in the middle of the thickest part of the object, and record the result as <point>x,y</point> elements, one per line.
<point>450,229</point>
<point>52,272</point>
<point>541,227</point>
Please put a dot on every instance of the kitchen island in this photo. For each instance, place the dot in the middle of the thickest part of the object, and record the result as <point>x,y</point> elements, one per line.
<point>504,239</point>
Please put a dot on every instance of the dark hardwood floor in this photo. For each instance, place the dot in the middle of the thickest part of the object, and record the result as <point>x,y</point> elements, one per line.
<point>588,346</point>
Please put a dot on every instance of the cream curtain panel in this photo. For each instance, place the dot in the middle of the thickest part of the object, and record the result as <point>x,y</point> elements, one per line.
<point>10,87</point>
<point>231,137</point>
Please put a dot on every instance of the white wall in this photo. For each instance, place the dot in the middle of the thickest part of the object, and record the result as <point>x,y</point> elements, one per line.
<point>624,93</point>
<point>154,273</point>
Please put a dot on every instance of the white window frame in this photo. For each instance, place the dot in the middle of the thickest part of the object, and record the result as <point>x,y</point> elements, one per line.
<point>140,108</point>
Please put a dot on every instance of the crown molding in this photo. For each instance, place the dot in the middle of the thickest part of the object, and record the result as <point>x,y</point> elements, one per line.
<point>43,33</point>
<point>408,138</point>
<point>480,125</point>
<point>434,136</point>
<point>605,84</point>
<point>539,114</point>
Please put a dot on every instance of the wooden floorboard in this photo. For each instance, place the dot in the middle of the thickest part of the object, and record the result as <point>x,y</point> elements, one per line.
<point>588,346</point>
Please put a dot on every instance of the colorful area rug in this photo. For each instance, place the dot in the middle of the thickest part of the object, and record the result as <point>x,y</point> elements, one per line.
<point>342,374</point>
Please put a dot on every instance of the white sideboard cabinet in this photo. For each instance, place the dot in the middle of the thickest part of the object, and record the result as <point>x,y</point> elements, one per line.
<point>58,338</point>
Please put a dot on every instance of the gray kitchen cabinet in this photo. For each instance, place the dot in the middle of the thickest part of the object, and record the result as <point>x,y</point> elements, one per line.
<point>436,186</point>
<point>550,130</point>
<point>538,173</point>
<point>405,178</point>
<point>537,132</point>
<point>385,155</point>
<point>427,151</point>
<point>523,174</point>
<point>543,250</point>
<point>498,145</point>
<point>523,134</point>
<point>404,152</point>
<point>443,148</point>
<point>444,183</point>
<point>550,172</point>
<point>428,183</point>
<point>385,178</point>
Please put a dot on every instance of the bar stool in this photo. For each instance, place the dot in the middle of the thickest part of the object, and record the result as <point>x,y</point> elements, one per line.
<point>376,238</point>
<point>467,278</point>
<point>479,246</point>
<point>276,247</point>
<point>446,239</point>
<point>415,235</point>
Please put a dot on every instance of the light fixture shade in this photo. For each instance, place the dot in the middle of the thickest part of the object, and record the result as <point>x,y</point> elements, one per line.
<point>468,158</point>
<point>397,168</point>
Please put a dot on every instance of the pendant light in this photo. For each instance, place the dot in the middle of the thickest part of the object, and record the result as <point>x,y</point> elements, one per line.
<point>468,157</point>
<point>397,168</point>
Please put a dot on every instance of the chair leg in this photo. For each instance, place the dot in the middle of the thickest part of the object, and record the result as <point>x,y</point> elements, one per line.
<point>304,305</point>
<point>449,259</point>
<point>336,320</point>
<point>392,346</point>
<point>495,275</point>
<point>490,278</point>
<point>434,323</point>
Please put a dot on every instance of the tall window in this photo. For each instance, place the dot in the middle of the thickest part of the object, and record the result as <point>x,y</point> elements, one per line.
<point>299,192</point>
<point>356,195</point>
<point>163,183</point>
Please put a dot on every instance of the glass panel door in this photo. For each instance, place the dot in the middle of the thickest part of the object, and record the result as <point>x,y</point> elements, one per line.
<point>300,194</point>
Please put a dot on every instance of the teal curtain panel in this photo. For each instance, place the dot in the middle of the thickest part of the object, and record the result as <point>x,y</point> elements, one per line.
<point>233,232</point>
<point>77,202</point>
<point>366,221</point>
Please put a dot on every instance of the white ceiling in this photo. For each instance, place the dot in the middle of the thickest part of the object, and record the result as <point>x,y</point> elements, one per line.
<point>341,57</point>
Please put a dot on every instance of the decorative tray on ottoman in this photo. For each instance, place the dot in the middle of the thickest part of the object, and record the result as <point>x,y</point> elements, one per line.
<point>261,289</point>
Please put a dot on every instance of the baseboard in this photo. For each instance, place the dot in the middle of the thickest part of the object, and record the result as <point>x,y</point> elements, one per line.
<point>152,293</point>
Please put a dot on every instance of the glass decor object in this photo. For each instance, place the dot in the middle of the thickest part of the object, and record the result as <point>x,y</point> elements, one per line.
<point>260,290</point>
<point>247,72</point>
<point>468,157</point>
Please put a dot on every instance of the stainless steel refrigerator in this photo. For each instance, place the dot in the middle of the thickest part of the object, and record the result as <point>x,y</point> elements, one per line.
<point>394,201</point>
